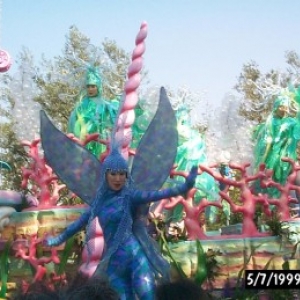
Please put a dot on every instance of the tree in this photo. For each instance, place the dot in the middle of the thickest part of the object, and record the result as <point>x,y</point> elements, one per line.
<point>258,90</point>
<point>52,85</point>
<point>61,80</point>
<point>16,119</point>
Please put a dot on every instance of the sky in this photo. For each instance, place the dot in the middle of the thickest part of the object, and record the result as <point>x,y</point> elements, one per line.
<point>200,44</point>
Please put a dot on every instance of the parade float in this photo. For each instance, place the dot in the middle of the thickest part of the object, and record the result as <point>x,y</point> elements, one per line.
<point>264,236</point>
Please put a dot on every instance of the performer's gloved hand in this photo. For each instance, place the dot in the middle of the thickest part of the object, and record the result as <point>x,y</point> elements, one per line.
<point>181,188</point>
<point>191,178</point>
<point>51,241</point>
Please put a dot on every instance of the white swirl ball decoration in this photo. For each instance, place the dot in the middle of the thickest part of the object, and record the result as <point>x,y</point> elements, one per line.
<point>25,111</point>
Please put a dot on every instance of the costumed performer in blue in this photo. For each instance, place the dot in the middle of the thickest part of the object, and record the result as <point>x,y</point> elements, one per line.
<point>120,198</point>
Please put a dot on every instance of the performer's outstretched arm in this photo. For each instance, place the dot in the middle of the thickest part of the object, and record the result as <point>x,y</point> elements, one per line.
<point>70,230</point>
<point>140,197</point>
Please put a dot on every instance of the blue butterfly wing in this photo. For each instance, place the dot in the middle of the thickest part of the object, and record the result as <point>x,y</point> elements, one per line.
<point>72,163</point>
<point>151,166</point>
<point>157,149</point>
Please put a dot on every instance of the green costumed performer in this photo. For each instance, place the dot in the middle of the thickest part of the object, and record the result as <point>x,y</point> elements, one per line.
<point>191,151</point>
<point>93,113</point>
<point>277,138</point>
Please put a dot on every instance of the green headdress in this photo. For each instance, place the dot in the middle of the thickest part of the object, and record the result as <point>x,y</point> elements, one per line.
<point>183,112</point>
<point>93,78</point>
<point>281,100</point>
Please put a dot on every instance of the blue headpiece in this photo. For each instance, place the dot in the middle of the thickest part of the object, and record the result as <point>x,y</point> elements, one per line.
<point>115,162</point>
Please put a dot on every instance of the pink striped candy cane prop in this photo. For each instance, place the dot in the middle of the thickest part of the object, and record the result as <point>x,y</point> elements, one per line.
<point>127,115</point>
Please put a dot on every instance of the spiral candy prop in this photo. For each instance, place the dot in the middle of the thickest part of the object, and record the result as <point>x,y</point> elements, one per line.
<point>127,115</point>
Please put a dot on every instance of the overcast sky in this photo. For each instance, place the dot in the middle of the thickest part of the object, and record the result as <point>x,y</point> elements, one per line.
<point>197,43</point>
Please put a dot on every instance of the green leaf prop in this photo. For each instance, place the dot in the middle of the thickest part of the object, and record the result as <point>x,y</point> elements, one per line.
<point>65,255</point>
<point>4,270</point>
<point>201,272</point>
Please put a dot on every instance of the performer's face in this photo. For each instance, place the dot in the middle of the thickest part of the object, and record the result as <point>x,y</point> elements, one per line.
<point>183,127</point>
<point>282,111</point>
<point>116,180</point>
<point>92,90</point>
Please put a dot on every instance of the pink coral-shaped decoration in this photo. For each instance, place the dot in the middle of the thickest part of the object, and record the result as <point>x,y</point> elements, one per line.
<point>44,183</point>
<point>30,255</point>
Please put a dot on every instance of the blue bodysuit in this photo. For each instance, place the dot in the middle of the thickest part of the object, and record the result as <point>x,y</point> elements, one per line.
<point>130,260</point>
<point>125,261</point>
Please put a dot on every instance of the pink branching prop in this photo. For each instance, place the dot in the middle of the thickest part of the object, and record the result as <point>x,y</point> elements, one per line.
<point>44,184</point>
<point>284,201</point>
<point>192,212</point>
<point>93,137</point>
<point>127,116</point>
<point>248,199</point>
<point>30,255</point>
